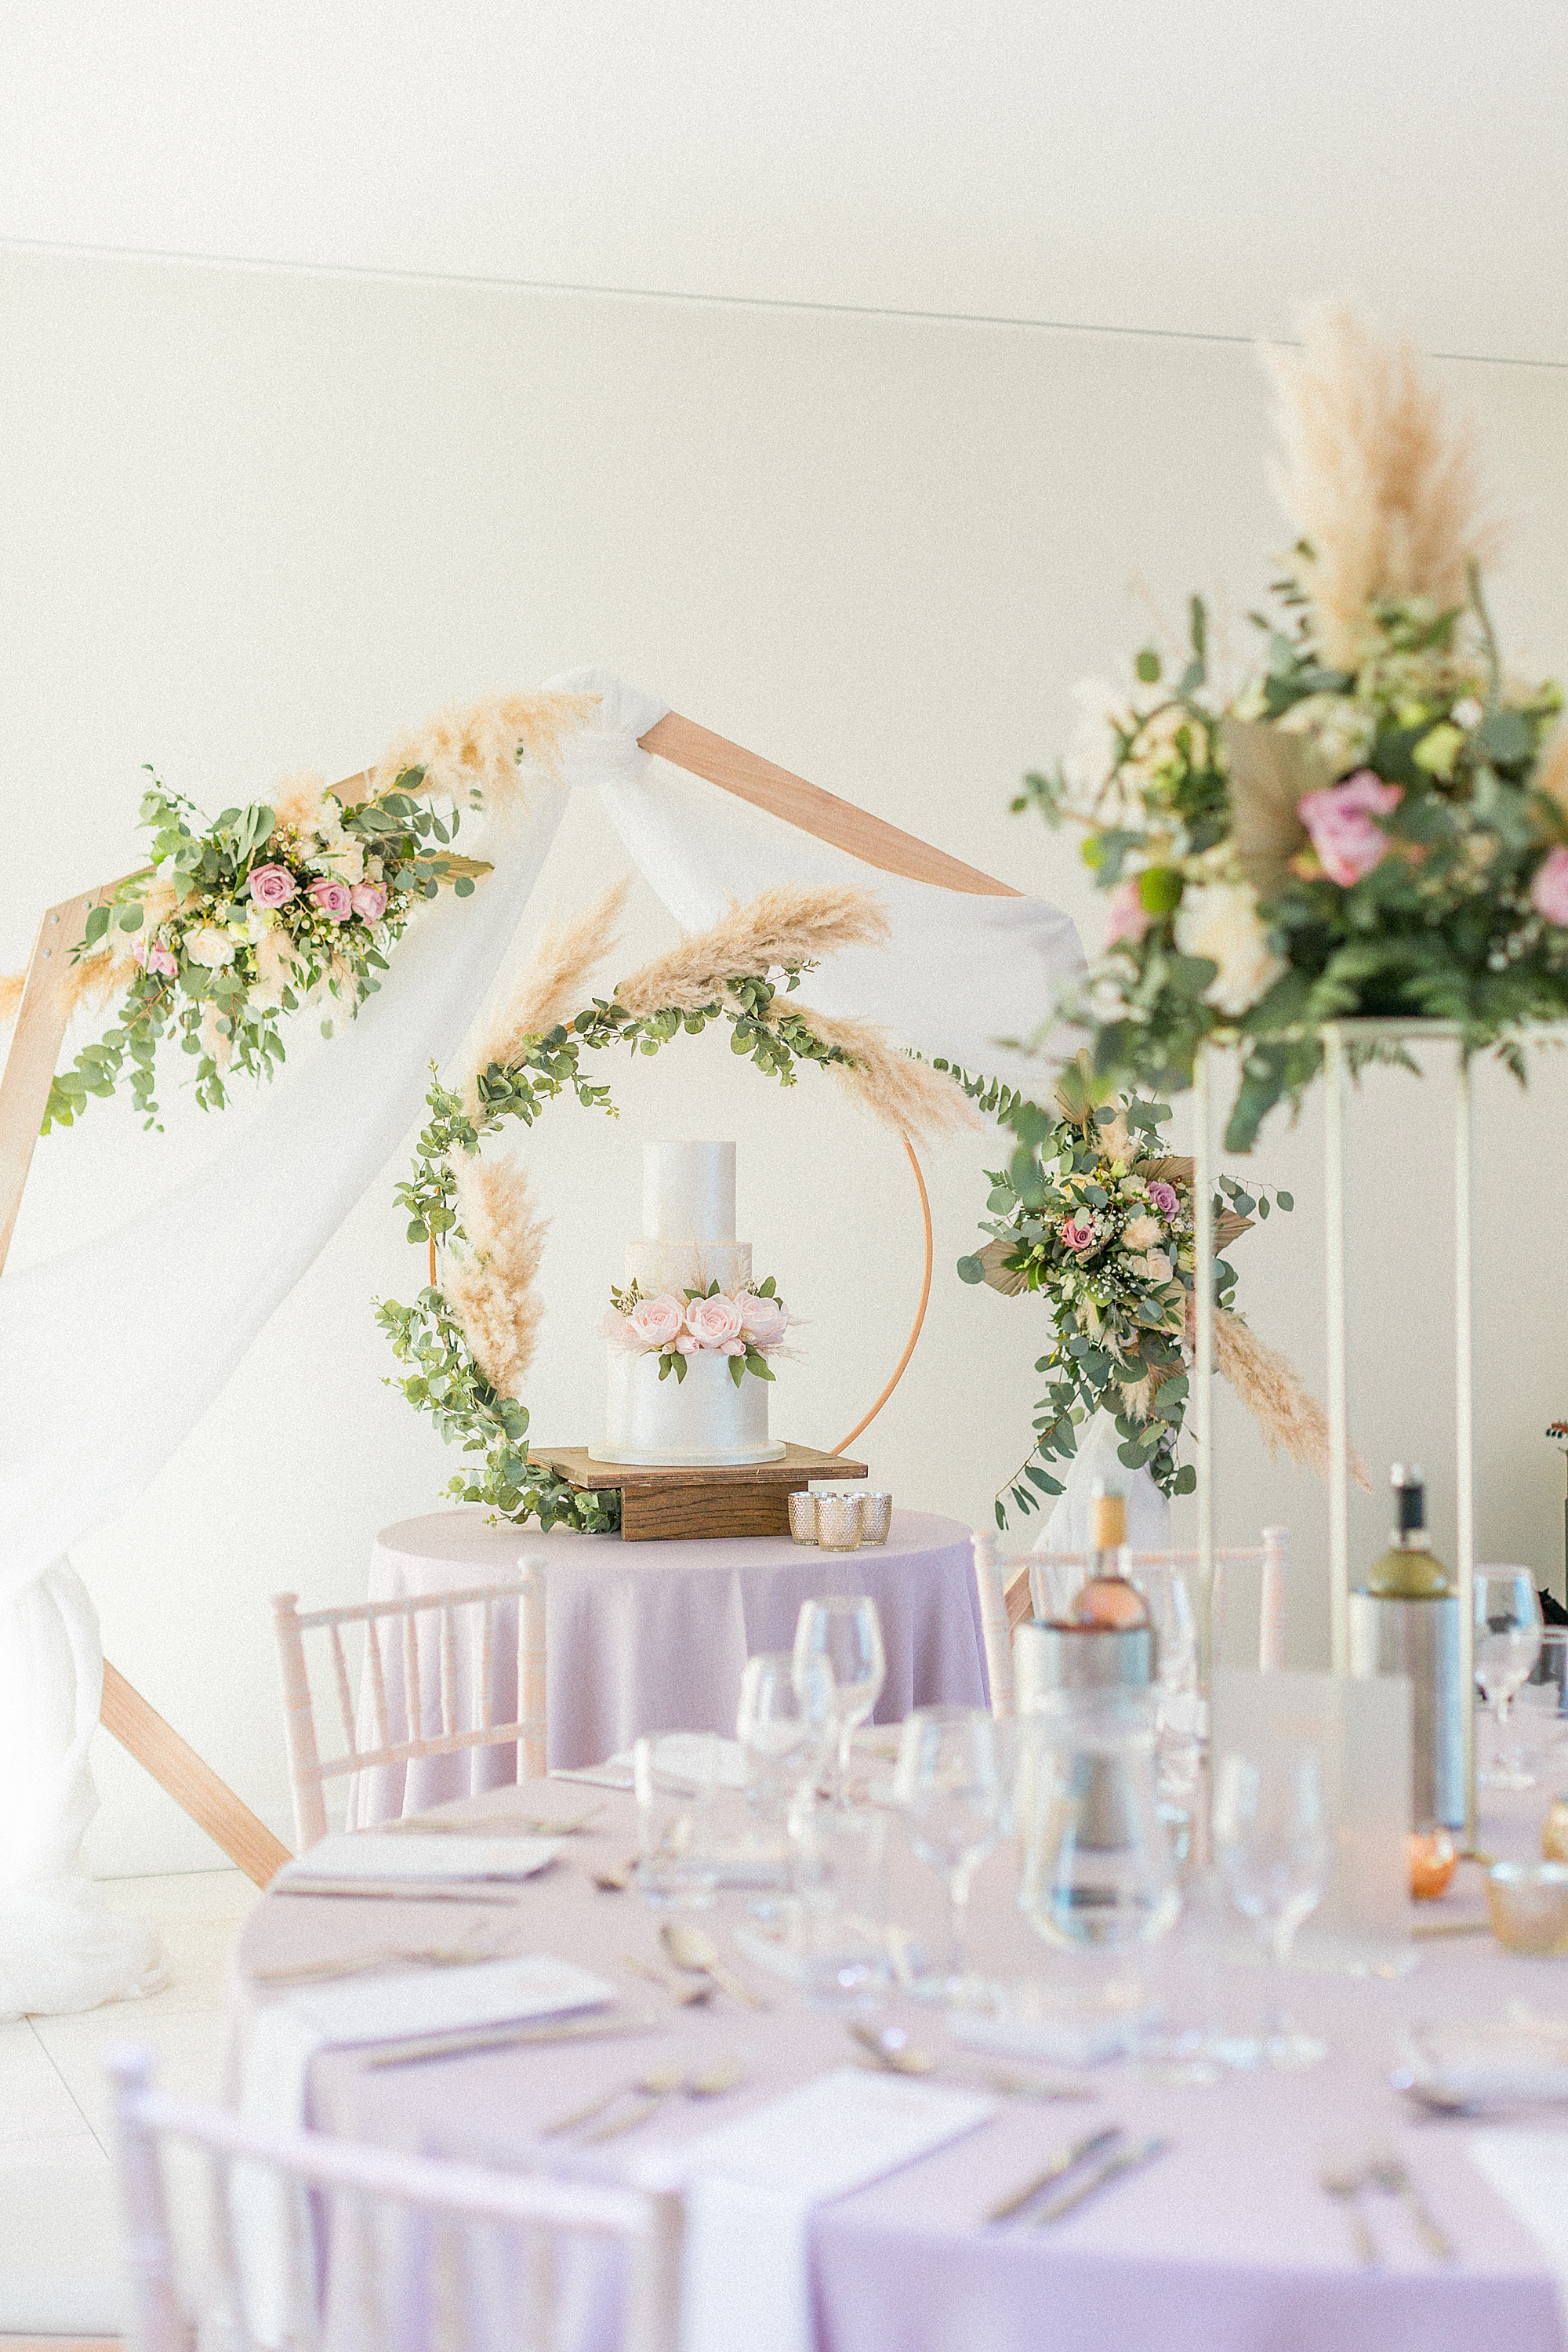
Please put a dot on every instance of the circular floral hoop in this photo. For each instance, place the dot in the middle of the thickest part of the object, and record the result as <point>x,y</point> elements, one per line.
<point>446,1380</point>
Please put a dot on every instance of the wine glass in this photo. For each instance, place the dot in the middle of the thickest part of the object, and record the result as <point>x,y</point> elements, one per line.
<point>948,1785</point>
<point>1178,1704</point>
<point>844,1632</point>
<point>1507,1646</point>
<point>1098,1874</point>
<point>1273,1845</point>
<point>784,1725</point>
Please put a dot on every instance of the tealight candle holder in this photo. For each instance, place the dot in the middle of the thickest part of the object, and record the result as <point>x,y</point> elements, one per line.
<point>1529,1903</point>
<point>876,1517</point>
<point>802,1517</point>
<point>838,1522</point>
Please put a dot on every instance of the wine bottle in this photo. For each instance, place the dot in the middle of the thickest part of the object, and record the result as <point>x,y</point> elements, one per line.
<point>1404,1620</point>
<point>1108,1596</point>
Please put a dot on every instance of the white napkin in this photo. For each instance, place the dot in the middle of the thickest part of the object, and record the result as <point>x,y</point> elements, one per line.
<point>371,1854</point>
<point>1066,2037</point>
<point>1529,2169</point>
<point>751,2187</point>
<point>271,2230</point>
<point>1519,2057</point>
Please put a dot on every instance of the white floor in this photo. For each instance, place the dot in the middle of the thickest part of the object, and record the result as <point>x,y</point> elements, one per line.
<point>59,2259</point>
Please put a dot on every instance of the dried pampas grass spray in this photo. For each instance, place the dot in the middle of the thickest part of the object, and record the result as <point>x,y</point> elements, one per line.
<point>1378,478</point>
<point>553,987</point>
<point>492,1289</point>
<point>778,930</point>
<point>1293,1421</point>
<point>893,1086</point>
<point>472,755</point>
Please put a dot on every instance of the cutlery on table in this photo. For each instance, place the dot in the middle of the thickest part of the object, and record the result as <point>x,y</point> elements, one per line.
<point>1066,2159</point>
<point>1114,2167</point>
<point>891,2047</point>
<point>460,2043</point>
<point>687,1995</point>
<point>406,1890</point>
<point>694,1951</point>
<point>1345,2183</point>
<point>614,1877</point>
<point>711,2083</point>
<point>658,2082</point>
<point>429,1956</point>
<point>487,1824</point>
<point>1385,2171</point>
<point>1426,1929</point>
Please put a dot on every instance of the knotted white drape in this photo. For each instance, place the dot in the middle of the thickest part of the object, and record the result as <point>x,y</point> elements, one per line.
<point>164,1307</point>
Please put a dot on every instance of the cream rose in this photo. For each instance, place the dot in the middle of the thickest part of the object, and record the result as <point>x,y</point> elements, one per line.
<point>211,947</point>
<point>1219,920</point>
<point>713,1322</point>
<point>656,1322</point>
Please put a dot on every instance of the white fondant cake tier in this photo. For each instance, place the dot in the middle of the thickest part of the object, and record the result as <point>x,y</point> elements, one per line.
<point>688,1191</point>
<point>703,1421</point>
<point>675,1267</point>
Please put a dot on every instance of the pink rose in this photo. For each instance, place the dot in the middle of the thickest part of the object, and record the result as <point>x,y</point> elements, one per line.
<point>272,886</point>
<point>369,901</point>
<point>156,958</point>
<point>713,1322</point>
<point>1549,892</point>
<point>1164,1198</point>
<point>1129,918</point>
<point>686,1346</point>
<point>763,1321</point>
<point>1078,1232</point>
<point>656,1322</point>
<point>1341,823</point>
<point>331,899</point>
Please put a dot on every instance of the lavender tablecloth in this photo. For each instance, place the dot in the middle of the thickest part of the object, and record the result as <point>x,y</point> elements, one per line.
<point>653,1636</point>
<point>1225,2245</point>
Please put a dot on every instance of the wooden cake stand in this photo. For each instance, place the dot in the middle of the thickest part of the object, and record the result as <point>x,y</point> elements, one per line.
<point>747,1498</point>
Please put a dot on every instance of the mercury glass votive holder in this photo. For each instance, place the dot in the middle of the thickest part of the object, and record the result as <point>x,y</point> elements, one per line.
<point>803,1517</point>
<point>876,1517</point>
<point>838,1522</point>
<point>1529,1903</point>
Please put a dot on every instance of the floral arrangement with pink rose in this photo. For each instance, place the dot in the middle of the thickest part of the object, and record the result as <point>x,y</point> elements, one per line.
<point>1374,823</point>
<point>747,1325</point>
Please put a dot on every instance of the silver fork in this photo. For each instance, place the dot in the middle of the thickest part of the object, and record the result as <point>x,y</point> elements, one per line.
<point>1385,2171</point>
<point>1345,2183</point>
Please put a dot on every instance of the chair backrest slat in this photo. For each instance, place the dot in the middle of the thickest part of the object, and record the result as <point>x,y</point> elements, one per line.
<point>389,1726</point>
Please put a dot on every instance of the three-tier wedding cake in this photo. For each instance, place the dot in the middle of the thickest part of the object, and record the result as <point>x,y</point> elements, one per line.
<point>691,1333</point>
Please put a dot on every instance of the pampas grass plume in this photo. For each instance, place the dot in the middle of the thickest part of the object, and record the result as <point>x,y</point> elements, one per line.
<point>893,1086</point>
<point>553,988</point>
<point>492,1289</point>
<point>472,755</point>
<point>1377,477</point>
<point>775,931</point>
<point>1293,1421</point>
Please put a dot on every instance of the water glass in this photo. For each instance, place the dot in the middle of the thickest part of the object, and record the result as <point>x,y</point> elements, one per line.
<point>1098,1874</point>
<point>675,1777</point>
<point>1507,1646</point>
<point>1274,1849</point>
<point>1541,1705</point>
<point>845,1632</point>
<point>838,1882</point>
<point>802,1517</point>
<point>786,1726</point>
<point>838,1522</point>
<point>876,1517</point>
<point>948,1785</point>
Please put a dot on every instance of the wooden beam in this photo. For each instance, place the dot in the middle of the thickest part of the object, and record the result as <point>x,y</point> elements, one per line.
<point>807,806</point>
<point>193,1786</point>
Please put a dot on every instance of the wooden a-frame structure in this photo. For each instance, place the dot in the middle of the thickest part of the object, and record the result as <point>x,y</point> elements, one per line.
<point>30,1067</point>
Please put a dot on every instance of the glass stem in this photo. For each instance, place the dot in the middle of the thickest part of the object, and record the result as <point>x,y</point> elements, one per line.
<point>841,1792</point>
<point>957,1922</point>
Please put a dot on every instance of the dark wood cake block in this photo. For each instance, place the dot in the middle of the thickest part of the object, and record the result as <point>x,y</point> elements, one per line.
<point>742,1498</point>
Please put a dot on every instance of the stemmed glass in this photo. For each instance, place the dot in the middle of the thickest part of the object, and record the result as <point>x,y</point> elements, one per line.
<point>948,1784</point>
<point>1272,1843</point>
<point>1508,1643</point>
<point>785,1725</point>
<point>845,1632</point>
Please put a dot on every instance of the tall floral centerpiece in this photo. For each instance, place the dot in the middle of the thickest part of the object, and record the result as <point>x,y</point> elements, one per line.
<point>1376,822</point>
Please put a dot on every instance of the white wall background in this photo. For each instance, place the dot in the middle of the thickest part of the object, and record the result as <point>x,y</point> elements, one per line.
<point>255,519</point>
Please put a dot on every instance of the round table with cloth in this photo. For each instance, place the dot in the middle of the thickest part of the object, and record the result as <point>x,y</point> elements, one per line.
<point>653,1636</point>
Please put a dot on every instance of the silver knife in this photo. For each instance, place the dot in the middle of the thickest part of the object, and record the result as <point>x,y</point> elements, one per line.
<point>1128,2160</point>
<point>463,2042</point>
<point>1066,2159</point>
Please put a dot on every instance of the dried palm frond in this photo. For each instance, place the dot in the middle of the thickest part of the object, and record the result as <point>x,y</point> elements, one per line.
<point>553,987</point>
<point>473,754</point>
<point>492,1289</point>
<point>777,931</point>
<point>1293,1421</point>
<point>1379,482</point>
<point>895,1086</point>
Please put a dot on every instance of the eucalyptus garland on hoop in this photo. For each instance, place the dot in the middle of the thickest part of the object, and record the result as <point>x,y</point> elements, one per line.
<point>470,1336</point>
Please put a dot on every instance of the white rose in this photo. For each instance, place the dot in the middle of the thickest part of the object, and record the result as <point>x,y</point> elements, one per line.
<point>1219,920</point>
<point>210,946</point>
<point>1158,1266</point>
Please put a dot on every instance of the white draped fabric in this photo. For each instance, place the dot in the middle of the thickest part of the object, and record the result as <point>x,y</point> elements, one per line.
<point>164,1307</point>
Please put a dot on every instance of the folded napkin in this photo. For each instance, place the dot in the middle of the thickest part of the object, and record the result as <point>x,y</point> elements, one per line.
<point>1519,2057</point>
<point>1529,2169</point>
<point>273,2235</point>
<point>1070,2036</point>
<point>377,1854</point>
<point>751,2187</point>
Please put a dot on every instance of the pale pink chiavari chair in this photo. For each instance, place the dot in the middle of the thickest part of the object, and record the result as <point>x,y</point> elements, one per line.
<point>1013,1588</point>
<point>394,1691</point>
<point>484,2255</point>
